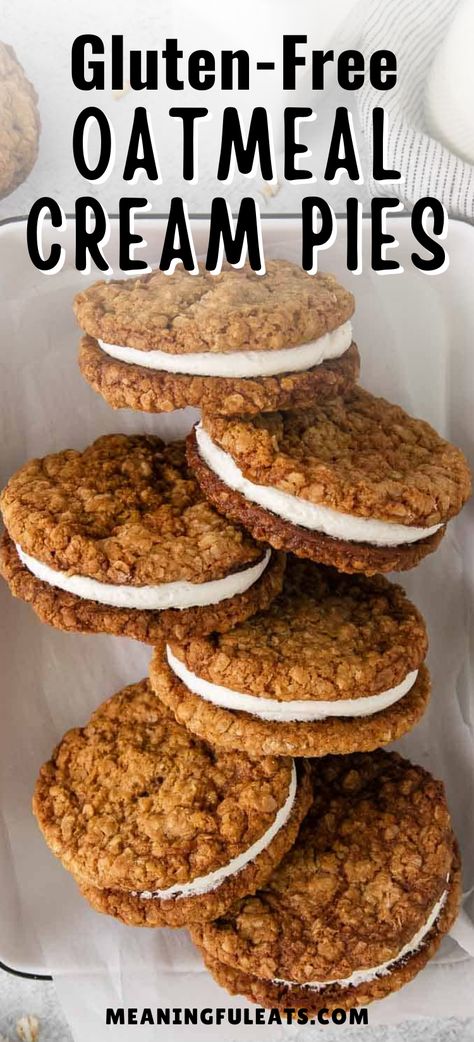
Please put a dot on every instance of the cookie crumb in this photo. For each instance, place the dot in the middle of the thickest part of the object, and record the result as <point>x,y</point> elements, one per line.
<point>27,1028</point>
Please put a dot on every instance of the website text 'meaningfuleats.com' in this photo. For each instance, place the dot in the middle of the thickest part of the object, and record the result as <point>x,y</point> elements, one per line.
<point>166,1016</point>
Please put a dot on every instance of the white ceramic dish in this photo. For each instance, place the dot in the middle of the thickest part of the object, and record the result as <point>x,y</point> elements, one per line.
<point>415,335</point>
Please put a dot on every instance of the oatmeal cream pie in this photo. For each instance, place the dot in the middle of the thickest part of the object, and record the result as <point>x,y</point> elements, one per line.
<point>354,483</point>
<point>236,342</point>
<point>334,666</point>
<point>358,906</point>
<point>158,828</point>
<point>119,539</point>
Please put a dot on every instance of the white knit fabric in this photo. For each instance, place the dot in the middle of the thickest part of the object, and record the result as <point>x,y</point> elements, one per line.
<point>415,30</point>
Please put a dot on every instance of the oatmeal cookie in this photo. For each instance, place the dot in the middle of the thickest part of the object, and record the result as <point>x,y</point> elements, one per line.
<point>164,826</point>
<point>354,482</point>
<point>132,386</point>
<point>236,310</point>
<point>65,611</point>
<point>359,904</point>
<point>19,122</point>
<point>119,539</point>
<point>335,665</point>
<point>233,342</point>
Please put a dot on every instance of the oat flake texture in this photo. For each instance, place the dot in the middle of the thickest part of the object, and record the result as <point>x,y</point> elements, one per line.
<point>236,310</point>
<point>370,863</point>
<point>126,510</point>
<point>134,802</point>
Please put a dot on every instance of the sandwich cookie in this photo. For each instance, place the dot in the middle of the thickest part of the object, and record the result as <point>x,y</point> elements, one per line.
<point>354,483</point>
<point>157,828</point>
<point>335,665</point>
<point>119,539</point>
<point>361,902</point>
<point>236,342</point>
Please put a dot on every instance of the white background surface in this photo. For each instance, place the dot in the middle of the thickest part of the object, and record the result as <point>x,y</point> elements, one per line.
<point>42,37</point>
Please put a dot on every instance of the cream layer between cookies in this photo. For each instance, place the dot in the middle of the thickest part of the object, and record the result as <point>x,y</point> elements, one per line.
<point>205,884</point>
<point>298,511</point>
<point>303,711</point>
<point>239,364</point>
<point>370,974</point>
<point>179,595</point>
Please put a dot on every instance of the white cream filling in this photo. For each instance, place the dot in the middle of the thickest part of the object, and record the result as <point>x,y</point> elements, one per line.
<point>239,363</point>
<point>300,512</point>
<point>204,884</point>
<point>364,976</point>
<point>271,709</point>
<point>178,594</point>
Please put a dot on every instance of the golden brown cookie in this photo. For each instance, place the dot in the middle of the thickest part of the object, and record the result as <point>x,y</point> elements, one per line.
<point>355,482</point>
<point>335,665</point>
<point>119,539</point>
<point>235,342</point>
<point>235,310</point>
<point>359,904</point>
<point>19,122</point>
<point>157,827</point>
<point>65,611</point>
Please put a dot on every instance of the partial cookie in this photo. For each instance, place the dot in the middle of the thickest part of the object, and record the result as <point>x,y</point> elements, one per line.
<point>157,828</point>
<point>360,903</point>
<point>134,387</point>
<point>232,343</point>
<point>19,122</point>
<point>119,539</point>
<point>65,611</point>
<point>354,483</point>
<point>335,665</point>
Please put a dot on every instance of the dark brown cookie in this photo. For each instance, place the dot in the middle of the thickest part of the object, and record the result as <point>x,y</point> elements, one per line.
<point>137,808</point>
<point>361,479</point>
<point>359,904</point>
<point>126,386</point>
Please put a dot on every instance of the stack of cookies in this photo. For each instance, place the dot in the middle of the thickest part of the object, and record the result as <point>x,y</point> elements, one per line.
<point>242,789</point>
